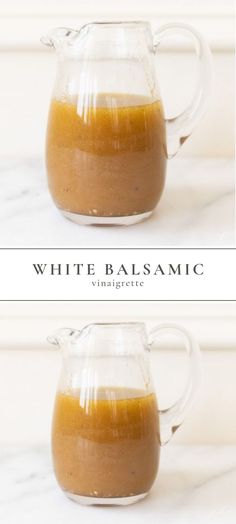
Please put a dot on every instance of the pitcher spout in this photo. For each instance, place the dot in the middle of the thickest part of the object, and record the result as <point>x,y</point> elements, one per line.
<point>63,336</point>
<point>58,36</point>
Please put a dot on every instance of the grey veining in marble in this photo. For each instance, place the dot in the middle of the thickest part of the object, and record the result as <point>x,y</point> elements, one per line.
<point>195,485</point>
<point>197,209</point>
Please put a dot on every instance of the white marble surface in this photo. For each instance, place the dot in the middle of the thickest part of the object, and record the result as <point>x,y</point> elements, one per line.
<point>197,209</point>
<point>195,485</point>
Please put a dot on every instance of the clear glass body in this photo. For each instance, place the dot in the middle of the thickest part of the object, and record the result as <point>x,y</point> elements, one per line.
<point>106,144</point>
<point>106,425</point>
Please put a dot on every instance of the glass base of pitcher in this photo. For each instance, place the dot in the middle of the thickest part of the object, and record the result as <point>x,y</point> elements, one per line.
<point>111,501</point>
<point>89,220</point>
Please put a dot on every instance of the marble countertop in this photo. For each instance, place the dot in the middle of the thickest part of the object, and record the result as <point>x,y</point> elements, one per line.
<point>197,209</point>
<point>195,485</point>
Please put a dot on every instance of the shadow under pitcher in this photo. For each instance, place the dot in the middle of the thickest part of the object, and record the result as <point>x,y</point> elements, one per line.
<point>107,139</point>
<point>107,429</point>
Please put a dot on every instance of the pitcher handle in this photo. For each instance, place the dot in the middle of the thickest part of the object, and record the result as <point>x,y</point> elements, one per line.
<point>181,127</point>
<point>172,417</point>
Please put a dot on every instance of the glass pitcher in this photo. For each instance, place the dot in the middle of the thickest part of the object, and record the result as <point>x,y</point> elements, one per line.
<point>107,138</point>
<point>107,429</point>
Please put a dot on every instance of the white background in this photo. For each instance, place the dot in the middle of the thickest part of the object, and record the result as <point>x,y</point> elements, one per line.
<point>19,281</point>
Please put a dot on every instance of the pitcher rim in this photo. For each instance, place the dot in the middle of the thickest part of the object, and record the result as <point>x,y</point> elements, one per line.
<point>118,22</point>
<point>109,324</point>
<point>69,34</point>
